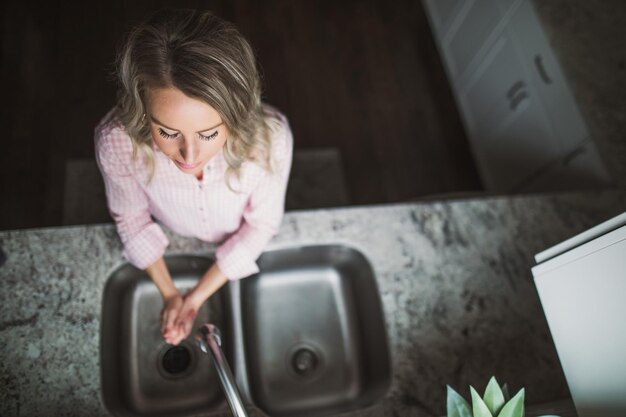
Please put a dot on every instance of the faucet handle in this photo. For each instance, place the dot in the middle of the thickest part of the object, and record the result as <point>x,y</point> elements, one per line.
<point>205,332</point>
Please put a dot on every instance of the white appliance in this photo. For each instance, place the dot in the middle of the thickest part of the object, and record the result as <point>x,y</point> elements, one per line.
<point>582,287</point>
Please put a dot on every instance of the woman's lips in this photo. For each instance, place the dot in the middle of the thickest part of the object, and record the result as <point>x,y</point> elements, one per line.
<point>185,166</point>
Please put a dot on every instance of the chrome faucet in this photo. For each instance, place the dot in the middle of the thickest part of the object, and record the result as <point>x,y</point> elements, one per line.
<point>209,339</point>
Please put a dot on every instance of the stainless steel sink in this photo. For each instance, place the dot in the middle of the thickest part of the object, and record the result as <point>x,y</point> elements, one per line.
<point>305,336</point>
<point>313,332</point>
<point>141,374</point>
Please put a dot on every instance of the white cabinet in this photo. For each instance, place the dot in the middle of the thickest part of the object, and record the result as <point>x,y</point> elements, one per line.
<point>471,32</point>
<point>520,117</point>
<point>498,85</point>
<point>582,287</point>
<point>464,28</point>
<point>518,146</point>
<point>546,76</point>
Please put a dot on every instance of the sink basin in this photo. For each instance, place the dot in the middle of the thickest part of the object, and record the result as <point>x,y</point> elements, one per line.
<point>304,336</point>
<point>141,374</point>
<point>313,332</point>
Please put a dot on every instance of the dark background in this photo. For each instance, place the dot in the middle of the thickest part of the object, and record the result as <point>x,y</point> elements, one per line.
<point>361,76</point>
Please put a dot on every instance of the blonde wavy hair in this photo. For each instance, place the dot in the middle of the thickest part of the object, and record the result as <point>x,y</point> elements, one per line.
<point>206,58</point>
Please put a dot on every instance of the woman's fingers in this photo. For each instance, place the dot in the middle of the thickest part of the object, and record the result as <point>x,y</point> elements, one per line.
<point>188,322</point>
<point>177,319</point>
<point>173,336</point>
<point>171,319</point>
<point>184,321</point>
<point>169,316</point>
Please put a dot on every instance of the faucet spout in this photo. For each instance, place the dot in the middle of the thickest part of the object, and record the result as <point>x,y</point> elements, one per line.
<point>209,340</point>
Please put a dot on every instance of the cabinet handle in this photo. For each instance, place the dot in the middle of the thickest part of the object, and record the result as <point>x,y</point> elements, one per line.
<point>515,101</point>
<point>516,94</point>
<point>542,70</point>
<point>515,88</point>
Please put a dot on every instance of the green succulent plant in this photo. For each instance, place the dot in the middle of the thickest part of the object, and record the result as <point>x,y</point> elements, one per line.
<point>494,403</point>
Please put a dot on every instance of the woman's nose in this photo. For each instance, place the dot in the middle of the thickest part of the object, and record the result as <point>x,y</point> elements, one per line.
<point>189,152</point>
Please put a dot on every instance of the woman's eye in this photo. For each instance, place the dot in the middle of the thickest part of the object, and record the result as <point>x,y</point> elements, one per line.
<point>209,137</point>
<point>167,135</point>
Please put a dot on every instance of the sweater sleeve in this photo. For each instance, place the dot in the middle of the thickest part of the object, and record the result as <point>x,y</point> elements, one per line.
<point>144,241</point>
<point>237,256</point>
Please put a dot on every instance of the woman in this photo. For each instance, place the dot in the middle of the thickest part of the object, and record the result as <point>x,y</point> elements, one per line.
<point>191,145</point>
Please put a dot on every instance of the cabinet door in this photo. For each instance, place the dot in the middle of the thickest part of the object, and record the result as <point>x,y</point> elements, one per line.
<point>465,28</point>
<point>470,32</point>
<point>506,123</point>
<point>546,75</point>
<point>519,147</point>
<point>497,88</point>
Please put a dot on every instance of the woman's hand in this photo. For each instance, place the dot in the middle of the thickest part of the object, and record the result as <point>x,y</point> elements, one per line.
<point>192,301</point>
<point>210,282</point>
<point>171,311</point>
<point>172,300</point>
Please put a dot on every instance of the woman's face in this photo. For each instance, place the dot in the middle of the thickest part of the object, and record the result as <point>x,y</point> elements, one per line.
<point>187,130</point>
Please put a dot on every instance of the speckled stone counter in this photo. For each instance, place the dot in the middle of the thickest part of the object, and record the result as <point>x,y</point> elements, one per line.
<point>454,278</point>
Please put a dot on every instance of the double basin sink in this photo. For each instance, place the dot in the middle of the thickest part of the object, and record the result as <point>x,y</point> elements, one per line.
<point>304,336</point>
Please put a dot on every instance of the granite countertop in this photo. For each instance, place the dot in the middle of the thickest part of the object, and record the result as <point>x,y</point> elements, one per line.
<point>454,277</point>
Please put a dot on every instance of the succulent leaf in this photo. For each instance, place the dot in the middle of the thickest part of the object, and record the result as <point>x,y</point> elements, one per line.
<point>457,406</point>
<point>493,398</point>
<point>479,407</point>
<point>505,392</point>
<point>515,407</point>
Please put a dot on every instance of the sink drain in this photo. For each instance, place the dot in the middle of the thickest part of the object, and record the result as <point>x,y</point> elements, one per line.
<point>175,361</point>
<point>304,362</point>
